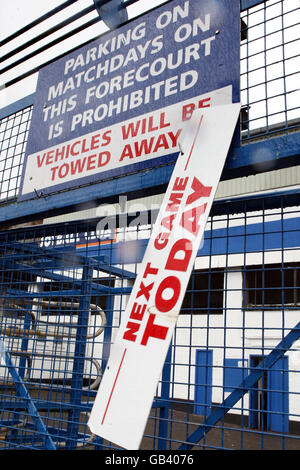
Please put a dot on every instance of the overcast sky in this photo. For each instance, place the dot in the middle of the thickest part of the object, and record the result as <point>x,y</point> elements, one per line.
<point>14,14</point>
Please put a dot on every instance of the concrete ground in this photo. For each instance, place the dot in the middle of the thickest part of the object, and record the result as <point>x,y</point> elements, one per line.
<point>180,424</point>
<point>225,435</point>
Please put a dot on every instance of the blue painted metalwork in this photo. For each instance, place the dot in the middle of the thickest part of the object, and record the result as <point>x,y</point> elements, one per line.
<point>111,12</point>
<point>29,260</point>
<point>272,151</point>
<point>163,403</point>
<point>79,354</point>
<point>19,105</point>
<point>29,403</point>
<point>155,178</point>
<point>243,388</point>
<point>108,331</point>
<point>278,397</point>
<point>245,4</point>
<point>220,241</point>
<point>43,290</point>
<point>235,370</point>
<point>203,381</point>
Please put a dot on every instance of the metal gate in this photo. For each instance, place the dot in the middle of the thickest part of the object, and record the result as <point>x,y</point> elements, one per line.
<point>64,288</point>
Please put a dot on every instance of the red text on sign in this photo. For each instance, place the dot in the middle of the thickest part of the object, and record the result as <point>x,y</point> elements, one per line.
<point>178,260</point>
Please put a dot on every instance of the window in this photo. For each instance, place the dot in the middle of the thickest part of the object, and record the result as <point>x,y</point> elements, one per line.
<point>63,295</point>
<point>272,285</point>
<point>204,293</point>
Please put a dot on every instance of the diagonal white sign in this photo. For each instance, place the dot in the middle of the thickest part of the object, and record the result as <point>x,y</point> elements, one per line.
<point>126,392</point>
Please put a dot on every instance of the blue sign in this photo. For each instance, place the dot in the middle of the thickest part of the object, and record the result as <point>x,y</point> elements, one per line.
<point>117,105</point>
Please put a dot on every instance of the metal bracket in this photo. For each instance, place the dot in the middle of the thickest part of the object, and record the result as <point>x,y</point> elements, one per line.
<point>111,12</point>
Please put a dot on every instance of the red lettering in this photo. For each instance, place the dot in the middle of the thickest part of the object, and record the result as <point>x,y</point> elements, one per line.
<point>72,151</point>
<point>91,164</point>
<point>53,171</point>
<point>103,158</point>
<point>49,158</point>
<point>174,201</point>
<point>77,166</point>
<point>201,103</point>
<point>161,142</point>
<point>149,270</point>
<point>83,147</point>
<point>171,283</point>
<point>95,141</point>
<point>180,184</point>
<point>161,241</point>
<point>63,170</point>
<point>68,151</point>
<point>138,311</point>
<point>174,138</point>
<point>130,130</point>
<point>180,255</point>
<point>168,221</point>
<point>199,191</point>
<point>145,290</point>
<point>153,330</point>
<point>190,219</point>
<point>144,147</point>
<point>59,153</point>
<point>133,328</point>
<point>127,152</point>
<point>162,122</point>
<point>187,111</point>
<point>107,138</point>
<point>40,161</point>
<point>151,127</point>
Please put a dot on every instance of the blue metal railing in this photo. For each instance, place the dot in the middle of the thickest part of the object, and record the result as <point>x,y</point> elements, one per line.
<point>49,316</point>
<point>269,138</point>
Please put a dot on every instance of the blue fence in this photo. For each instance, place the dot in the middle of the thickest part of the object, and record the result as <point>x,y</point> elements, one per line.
<point>232,373</point>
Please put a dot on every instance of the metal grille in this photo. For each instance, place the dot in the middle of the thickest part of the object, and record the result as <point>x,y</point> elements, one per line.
<point>13,138</point>
<point>270,68</point>
<point>231,377</point>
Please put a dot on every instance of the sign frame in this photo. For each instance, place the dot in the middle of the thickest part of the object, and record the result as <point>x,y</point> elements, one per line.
<point>205,28</point>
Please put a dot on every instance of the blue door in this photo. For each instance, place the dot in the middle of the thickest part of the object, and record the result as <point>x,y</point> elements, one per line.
<point>269,398</point>
<point>203,381</point>
<point>235,371</point>
<point>278,397</point>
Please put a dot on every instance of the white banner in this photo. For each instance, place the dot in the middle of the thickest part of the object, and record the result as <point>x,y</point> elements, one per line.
<point>137,140</point>
<point>126,392</point>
